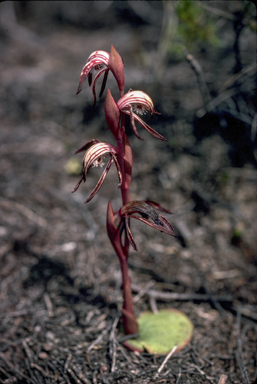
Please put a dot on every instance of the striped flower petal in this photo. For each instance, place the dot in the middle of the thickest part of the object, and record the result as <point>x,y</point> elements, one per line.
<point>93,158</point>
<point>145,211</point>
<point>98,61</point>
<point>136,103</point>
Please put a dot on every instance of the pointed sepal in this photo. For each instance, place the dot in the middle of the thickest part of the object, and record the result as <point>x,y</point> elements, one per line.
<point>117,67</point>
<point>112,114</point>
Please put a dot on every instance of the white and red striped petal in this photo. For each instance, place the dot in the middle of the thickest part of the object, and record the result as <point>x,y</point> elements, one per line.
<point>136,103</point>
<point>93,158</point>
<point>97,61</point>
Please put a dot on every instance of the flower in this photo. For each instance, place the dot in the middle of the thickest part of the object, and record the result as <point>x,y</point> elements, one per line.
<point>95,152</point>
<point>147,211</point>
<point>136,103</point>
<point>101,62</point>
<point>98,62</point>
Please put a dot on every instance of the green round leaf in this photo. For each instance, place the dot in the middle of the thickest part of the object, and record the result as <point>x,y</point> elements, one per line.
<point>159,333</point>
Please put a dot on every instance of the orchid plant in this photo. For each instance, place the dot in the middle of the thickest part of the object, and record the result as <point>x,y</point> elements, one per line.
<point>134,104</point>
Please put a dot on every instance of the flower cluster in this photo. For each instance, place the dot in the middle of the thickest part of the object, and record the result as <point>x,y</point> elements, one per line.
<point>135,104</point>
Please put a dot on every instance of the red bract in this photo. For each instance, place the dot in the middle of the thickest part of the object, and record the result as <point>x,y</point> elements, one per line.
<point>112,114</point>
<point>148,214</point>
<point>138,102</point>
<point>117,68</point>
<point>94,158</point>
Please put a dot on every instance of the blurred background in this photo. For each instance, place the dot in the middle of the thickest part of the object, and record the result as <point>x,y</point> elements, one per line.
<point>197,61</point>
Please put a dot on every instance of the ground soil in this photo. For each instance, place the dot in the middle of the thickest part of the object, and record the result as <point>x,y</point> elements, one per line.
<point>60,282</point>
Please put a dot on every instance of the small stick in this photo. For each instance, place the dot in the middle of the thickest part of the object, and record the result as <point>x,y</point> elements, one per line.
<point>166,359</point>
<point>114,325</point>
<point>99,338</point>
<point>66,366</point>
<point>182,296</point>
<point>143,291</point>
<point>200,75</point>
<point>9,204</point>
<point>40,369</point>
<point>49,305</point>
<point>75,378</point>
<point>113,356</point>
<point>120,347</point>
<point>153,305</point>
<point>179,376</point>
<point>223,379</point>
<point>214,103</point>
<point>113,344</point>
<point>239,352</point>
<point>11,366</point>
<point>27,350</point>
<point>80,375</point>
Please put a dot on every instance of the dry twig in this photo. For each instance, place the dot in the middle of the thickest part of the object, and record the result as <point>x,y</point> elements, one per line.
<point>166,359</point>
<point>200,76</point>
<point>99,338</point>
<point>113,343</point>
<point>25,211</point>
<point>14,369</point>
<point>223,379</point>
<point>239,354</point>
<point>167,296</point>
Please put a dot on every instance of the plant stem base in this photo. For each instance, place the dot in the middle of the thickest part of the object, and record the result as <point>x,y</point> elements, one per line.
<point>159,333</point>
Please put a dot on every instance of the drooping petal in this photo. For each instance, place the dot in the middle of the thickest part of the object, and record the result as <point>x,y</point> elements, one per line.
<point>138,102</point>
<point>100,181</point>
<point>93,157</point>
<point>149,129</point>
<point>97,60</point>
<point>133,117</point>
<point>95,153</point>
<point>129,233</point>
<point>145,212</point>
<point>162,224</point>
<point>132,122</point>
<point>78,184</point>
<point>105,71</point>
<point>102,62</point>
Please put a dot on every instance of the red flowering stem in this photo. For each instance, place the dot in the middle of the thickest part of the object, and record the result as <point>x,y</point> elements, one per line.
<point>129,321</point>
<point>123,146</point>
<point>121,142</point>
<point>116,122</point>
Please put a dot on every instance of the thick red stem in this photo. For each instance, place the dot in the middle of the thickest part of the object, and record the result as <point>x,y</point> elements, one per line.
<point>129,320</point>
<point>130,323</point>
<point>124,156</point>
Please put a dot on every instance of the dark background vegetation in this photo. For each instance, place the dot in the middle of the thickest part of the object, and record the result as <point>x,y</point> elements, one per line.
<point>60,284</point>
